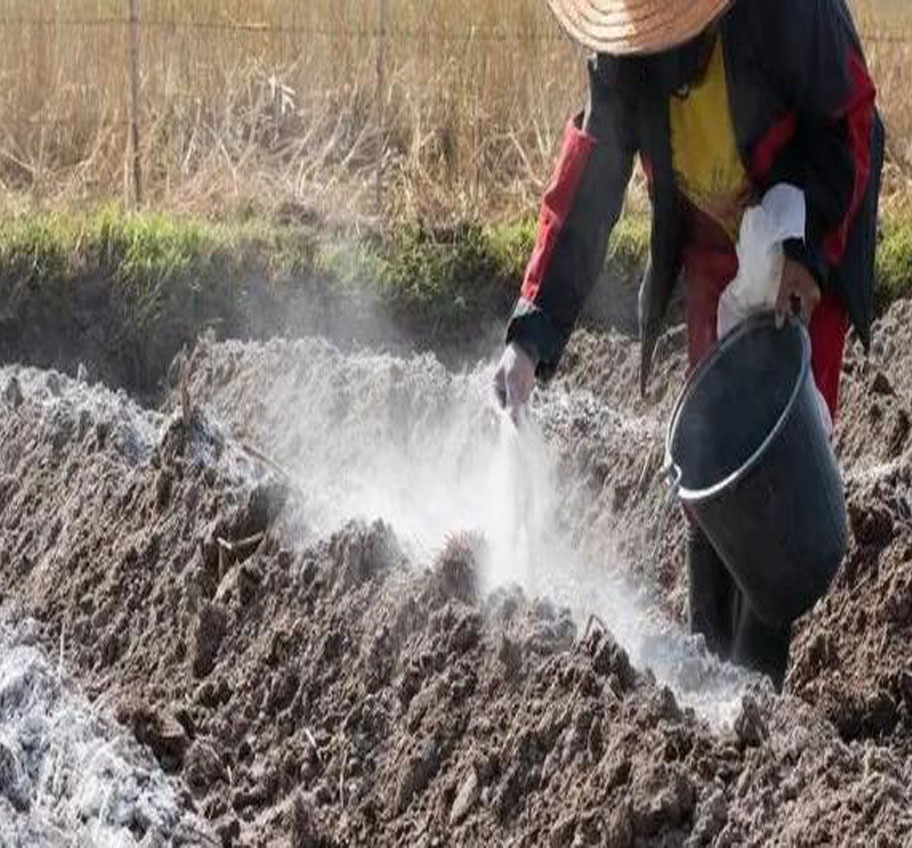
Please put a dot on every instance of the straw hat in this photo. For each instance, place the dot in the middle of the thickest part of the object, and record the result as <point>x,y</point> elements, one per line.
<point>624,27</point>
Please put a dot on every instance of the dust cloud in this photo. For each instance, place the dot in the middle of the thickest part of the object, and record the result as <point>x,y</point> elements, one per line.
<point>368,436</point>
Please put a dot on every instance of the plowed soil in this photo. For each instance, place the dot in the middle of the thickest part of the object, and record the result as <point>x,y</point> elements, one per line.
<point>291,585</point>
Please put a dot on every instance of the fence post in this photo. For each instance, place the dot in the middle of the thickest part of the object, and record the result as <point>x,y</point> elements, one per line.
<point>381,105</point>
<point>133,13</point>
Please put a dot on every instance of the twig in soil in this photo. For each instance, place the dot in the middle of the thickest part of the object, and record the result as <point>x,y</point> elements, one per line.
<point>100,703</point>
<point>313,742</point>
<point>883,471</point>
<point>48,779</point>
<point>186,408</point>
<point>258,454</point>
<point>643,481</point>
<point>60,657</point>
<point>594,619</point>
<point>518,714</point>
<point>342,780</point>
<point>103,815</point>
<point>250,543</point>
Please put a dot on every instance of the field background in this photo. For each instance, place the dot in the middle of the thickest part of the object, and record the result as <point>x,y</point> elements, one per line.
<point>262,126</point>
<point>264,107</point>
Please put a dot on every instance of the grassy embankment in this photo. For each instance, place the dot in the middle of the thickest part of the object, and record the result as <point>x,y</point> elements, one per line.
<point>149,283</point>
<point>140,286</point>
<point>260,112</point>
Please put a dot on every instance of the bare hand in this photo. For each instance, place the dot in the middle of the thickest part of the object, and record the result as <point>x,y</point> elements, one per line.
<point>514,380</point>
<point>798,292</point>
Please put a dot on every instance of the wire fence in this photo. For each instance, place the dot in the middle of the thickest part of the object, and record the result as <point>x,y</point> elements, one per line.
<point>480,33</point>
<point>262,28</point>
<point>375,28</point>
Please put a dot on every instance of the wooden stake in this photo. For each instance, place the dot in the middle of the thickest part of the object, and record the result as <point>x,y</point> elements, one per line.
<point>133,12</point>
<point>381,105</point>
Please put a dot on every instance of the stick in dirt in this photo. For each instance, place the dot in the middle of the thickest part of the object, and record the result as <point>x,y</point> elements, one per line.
<point>256,453</point>
<point>133,17</point>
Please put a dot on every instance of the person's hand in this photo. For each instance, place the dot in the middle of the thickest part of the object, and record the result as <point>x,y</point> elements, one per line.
<point>798,291</point>
<point>514,380</point>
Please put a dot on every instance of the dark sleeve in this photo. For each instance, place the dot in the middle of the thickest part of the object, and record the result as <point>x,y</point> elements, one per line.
<point>578,212</point>
<point>820,69</point>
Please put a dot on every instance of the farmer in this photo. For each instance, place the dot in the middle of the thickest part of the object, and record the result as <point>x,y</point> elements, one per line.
<point>721,101</point>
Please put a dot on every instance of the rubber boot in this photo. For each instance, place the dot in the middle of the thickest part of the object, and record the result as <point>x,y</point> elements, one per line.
<point>712,595</point>
<point>760,647</point>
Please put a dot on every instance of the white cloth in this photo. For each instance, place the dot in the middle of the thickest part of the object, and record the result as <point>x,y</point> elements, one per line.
<point>782,215</point>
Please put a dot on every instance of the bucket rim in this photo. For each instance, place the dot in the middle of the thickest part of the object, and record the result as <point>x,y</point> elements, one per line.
<point>764,319</point>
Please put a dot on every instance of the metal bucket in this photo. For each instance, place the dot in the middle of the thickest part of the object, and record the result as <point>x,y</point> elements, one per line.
<point>752,463</point>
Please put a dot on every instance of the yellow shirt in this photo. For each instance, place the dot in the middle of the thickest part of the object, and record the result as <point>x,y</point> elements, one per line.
<point>704,147</point>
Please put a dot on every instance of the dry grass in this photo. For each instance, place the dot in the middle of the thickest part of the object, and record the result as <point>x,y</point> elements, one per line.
<point>265,106</point>
<point>888,26</point>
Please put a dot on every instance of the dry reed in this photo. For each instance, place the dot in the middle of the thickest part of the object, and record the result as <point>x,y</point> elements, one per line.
<point>267,106</point>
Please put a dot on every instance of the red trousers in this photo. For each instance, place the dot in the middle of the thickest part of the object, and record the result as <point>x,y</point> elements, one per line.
<point>706,275</point>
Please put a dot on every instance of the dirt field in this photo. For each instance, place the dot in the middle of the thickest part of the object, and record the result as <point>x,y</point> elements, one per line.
<point>341,603</point>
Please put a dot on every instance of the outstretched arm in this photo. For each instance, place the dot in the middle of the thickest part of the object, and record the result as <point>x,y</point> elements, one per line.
<point>578,213</point>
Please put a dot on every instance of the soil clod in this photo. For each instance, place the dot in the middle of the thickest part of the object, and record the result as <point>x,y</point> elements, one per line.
<point>316,677</point>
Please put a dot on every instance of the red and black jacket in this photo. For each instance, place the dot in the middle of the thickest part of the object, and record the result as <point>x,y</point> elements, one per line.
<point>802,104</point>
